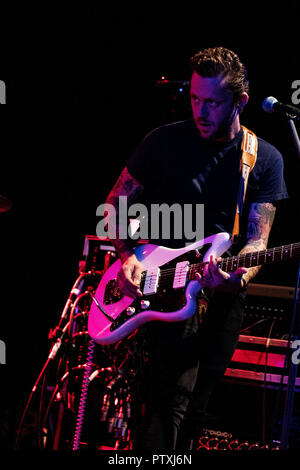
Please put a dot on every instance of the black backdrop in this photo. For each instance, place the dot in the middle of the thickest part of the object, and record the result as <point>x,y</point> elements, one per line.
<point>81,94</point>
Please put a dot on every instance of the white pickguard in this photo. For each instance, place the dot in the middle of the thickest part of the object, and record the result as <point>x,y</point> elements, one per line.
<point>151,256</point>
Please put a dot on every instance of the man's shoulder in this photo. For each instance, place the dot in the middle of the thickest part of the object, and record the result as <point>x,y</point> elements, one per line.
<point>173,128</point>
<point>267,150</point>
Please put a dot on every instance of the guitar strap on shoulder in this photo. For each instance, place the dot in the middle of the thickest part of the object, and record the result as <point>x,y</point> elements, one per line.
<point>248,160</point>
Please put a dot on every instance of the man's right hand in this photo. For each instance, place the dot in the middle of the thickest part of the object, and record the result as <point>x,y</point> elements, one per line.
<point>129,276</point>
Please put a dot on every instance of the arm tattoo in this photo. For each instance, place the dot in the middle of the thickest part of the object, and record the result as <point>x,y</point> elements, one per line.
<point>127,186</point>
<point>260,220</point>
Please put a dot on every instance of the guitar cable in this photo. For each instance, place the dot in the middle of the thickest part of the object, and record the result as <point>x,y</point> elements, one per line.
<point>58,333</point>
<point>83,396</point>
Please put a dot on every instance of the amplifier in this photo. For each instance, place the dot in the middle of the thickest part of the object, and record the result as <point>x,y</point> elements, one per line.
<point>263,351</point>
<point>94,252</point>
<point>263,360</point>
<point>268,311</point>
<point>97,254</point>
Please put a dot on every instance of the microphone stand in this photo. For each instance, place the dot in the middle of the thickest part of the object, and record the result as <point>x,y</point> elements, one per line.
<point>294,333</point>
<point>294,135</point>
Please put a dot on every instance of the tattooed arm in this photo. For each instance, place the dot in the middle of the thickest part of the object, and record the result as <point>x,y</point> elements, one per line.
<point>260,220</point>
<point>130,274</point>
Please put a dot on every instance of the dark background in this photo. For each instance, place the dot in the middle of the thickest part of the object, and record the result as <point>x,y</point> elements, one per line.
<point>81,93</point>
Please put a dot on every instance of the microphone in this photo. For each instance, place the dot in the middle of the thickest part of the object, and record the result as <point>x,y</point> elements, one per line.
<point>272,105</point>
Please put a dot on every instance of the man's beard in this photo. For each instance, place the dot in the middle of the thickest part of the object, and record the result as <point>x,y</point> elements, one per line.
<point>223,130</point>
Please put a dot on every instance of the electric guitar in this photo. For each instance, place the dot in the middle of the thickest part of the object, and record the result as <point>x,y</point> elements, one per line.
<point>168,284</point>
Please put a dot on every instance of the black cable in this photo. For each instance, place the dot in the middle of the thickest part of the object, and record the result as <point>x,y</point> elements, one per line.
<point>57,389</point>
<point>34,389</point>
<point>50,358</point>
<point>58,334</point>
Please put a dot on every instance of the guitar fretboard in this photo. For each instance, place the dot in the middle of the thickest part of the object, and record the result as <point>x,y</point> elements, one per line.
<point>256,258</point>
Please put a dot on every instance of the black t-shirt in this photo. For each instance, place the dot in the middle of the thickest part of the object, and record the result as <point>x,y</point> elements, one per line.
<point>176,166</point>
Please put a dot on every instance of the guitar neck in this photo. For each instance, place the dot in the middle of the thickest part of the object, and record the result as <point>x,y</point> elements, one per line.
<point>256,258</point>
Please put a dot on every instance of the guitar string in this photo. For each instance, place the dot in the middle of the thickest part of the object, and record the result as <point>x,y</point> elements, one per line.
<point>232,261</point>
<point>236,259</point>
<point>168,274</point>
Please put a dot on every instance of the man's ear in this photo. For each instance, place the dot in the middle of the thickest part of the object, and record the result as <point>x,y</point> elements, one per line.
<point>244,98</point>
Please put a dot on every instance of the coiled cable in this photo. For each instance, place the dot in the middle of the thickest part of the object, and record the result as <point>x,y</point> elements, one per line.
<point>83,396</point>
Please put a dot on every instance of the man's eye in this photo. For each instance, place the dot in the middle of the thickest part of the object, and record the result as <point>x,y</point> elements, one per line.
<point>213,103</point>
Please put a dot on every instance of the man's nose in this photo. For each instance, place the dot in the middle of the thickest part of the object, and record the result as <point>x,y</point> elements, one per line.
<point>203,111</point>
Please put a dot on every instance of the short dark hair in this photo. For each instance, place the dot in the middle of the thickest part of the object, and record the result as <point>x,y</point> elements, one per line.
<point>216,61</point>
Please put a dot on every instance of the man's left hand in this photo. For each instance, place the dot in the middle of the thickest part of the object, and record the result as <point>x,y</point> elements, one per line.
<point>214,278</point>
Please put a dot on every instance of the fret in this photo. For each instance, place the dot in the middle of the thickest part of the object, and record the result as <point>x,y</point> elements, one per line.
<point>239,261</point>
<point>254,259</point>
<point>263,256</point>
<point>259,254</point>
<point>287,252</point>
<point>267,256</point>
<point>250,260</point>
<point>242,259</point>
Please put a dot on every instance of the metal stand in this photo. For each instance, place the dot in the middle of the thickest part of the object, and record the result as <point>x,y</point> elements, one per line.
<point>294,335</point>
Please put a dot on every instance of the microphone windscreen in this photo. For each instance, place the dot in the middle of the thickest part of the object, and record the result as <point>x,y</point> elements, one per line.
<point>268,104</point>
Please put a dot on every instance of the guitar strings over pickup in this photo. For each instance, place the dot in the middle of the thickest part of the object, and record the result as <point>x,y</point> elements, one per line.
<point>151,281</point>
<point>181,273</point>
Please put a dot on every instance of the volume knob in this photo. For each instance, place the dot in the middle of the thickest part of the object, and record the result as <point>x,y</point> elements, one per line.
<point>130,310</point>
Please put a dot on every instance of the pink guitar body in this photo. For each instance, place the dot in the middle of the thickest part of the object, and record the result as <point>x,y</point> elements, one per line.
<point>169,294</point>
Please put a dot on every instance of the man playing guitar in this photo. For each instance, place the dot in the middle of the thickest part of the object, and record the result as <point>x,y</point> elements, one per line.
<point>198,161</point>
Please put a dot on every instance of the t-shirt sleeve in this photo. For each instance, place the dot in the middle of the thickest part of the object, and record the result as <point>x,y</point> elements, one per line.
<point>271,187</point>
<point>143,164</point>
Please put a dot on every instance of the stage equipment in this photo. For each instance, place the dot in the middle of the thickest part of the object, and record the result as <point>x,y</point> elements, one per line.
<point>218,440</point>
<point>291,113</point>
<point>86,396</point>
<point>90,396</point>
<point>247,407</point>
<point>264,348</point>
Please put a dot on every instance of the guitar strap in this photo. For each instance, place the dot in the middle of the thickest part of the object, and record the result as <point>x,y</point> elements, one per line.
<point>248,160</point>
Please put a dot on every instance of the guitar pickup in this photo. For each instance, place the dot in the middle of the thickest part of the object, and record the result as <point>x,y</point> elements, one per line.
<point>181,272</point>
<point>151,281</point>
